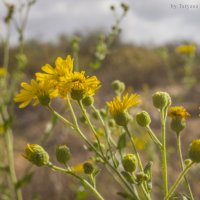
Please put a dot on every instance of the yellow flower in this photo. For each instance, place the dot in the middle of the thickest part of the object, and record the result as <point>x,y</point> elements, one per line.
<point>39,92</point>
<point>178,112</point>
<point>67,81</point>
<point>186,49</point>
<point>79,85</point>
<point>2,71</point>
<point>118,106</point>
<point>63,68</point>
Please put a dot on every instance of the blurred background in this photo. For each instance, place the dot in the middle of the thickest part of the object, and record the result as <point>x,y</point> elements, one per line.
<point>150,46</point>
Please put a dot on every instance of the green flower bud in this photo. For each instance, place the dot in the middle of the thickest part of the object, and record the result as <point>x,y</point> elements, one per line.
<point>88,168</point>
<point>62,154</point>
<point>95,115</point>
<point>122,118</point>
<point>103,113</point>
<point>187,162</point>
<point>177,124</point>
<point>83,119</point>
<point>118,86</point>
<point>44,100</point>
<point>141,177</point>
<point>161,100</point>
<point>77,94</point>
<point>194,151</point>
<point>125,7</point>
<point>111,123</point>
<point>143,119</point>
<point>36,154</point>
<point>129,162</point>
<point>88,101</point>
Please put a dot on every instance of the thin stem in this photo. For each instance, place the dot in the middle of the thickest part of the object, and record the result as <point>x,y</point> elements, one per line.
<point>134,148</point>
<point>153,137</point>
<point>138,159</point>
<point>164,152</point>
<point>178,180</point>
<point>90,125</point>
<point>84,182</point>
<point>182,165</point>
<point>9,149</point>
<point>61,117</point>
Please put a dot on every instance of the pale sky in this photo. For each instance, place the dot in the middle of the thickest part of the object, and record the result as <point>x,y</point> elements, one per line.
<point>147,22</point>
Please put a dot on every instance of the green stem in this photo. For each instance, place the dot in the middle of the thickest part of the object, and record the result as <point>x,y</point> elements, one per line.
<point>90,125</point>
<point>9,149</point>
<point>139,161</point>
<point>164,152</point>
<point>182,165</point>
<point>84,182</point>
<point>173,188</point>
<point>61,117</point>
<point>153,137</point>
<point>134,148</point>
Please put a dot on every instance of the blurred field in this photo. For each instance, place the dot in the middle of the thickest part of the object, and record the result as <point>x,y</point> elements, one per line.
<point>144,70</point>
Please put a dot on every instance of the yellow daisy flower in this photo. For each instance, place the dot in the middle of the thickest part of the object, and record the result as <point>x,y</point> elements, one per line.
<point>118,105</point>
<point>79,85</point>
<point>63,68</point>
<point>178,112</point>
<point>2,71</point>
<point>39,92</point>
<point>186,49</point>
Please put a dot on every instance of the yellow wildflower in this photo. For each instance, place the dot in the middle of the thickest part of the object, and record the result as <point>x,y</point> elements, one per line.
<point>178,112</point>
<point>63,68</point>
<point>186,49</point>
<point>79,85</point>
<point>117,105</point>
<point>39,92</point>
<point>2,71</point>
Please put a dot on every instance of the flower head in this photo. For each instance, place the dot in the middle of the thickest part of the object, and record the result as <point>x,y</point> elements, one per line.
<point>36,154</point>
<point>186,49</point>
<point>63,68</point>
<point>39,92</point>
<point>118,105</point>
<point>79,85</point>
<point>178,112</point>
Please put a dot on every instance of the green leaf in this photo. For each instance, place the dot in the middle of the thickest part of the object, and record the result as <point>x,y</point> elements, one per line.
<point>121,142</point>
<point>24,180</point>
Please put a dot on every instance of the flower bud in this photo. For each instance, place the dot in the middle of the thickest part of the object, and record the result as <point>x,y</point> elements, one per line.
<point>118,86</point>
<point>111,123</point>
<point>44,100</point>
<point>143,119</point>
<point>77,94</point>
<point>122,118</point>
<point>62,154</point>
<point>177,124</point>
<point>141,176</point>
<point>161,100</point>
<point>88,101</point>
<point>103,113</point>
<point>36,154</point>
<point>129,162</point>
<point>187,162</point>
<point>83,119</point>
<point>88,168</point>
<point>194,151</point>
